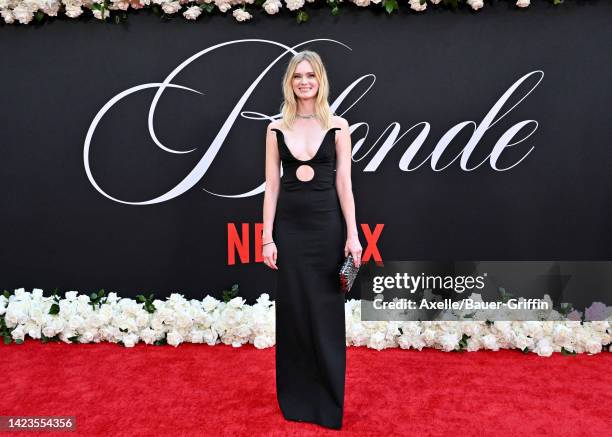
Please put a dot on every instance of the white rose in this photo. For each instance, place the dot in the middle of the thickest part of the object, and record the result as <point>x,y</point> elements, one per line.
<point>592,346</point>
<point>489,341</point>
<point>192,12</point>
<point>129,340</point>
<point>101,15</point>
<point>543,347</point>
<point>209,303</point>
<point>75,322</point>
<point>293,5</point>
<point>263,341</point>
<point>362,3</point>
<point>272,6</point>
<point>112,298</point>
<point>475,4</point>
<point>3,304</point>
<point>236,302</point>
<point>148,336</point>
<point>449,341</point>
<point>18,333</point>
<point>377,341</point>
<point>32,329</point>
<point>171,8</point>
<point>210,337</point>
<point>417,6</point>
<point>174,338</point>
<point>120,4</point>
<point>196,336</point>
<point>523,4</point>
<point>87,336</point>
<point>71,295</point>
<point>474,344</point>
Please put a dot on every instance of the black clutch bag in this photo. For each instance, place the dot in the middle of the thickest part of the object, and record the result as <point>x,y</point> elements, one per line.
<point>348,273</point>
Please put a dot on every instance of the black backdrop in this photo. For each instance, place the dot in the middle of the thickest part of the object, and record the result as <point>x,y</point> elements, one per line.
<point>439,67</point>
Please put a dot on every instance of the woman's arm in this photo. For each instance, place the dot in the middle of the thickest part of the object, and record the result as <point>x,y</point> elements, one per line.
<point>344,188</point>
<point>270,196</point>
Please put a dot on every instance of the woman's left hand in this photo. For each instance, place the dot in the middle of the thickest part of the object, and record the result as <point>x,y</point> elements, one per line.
<point>353,246</point>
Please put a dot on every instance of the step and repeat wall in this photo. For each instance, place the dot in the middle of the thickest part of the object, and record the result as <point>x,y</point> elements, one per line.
<point>133,155</point>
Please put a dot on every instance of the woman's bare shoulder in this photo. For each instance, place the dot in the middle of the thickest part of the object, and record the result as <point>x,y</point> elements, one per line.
<point>340,122</point>
<point>274,124</point>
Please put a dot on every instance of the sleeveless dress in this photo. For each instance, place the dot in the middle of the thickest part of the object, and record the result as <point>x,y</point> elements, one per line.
<point>309,232</point>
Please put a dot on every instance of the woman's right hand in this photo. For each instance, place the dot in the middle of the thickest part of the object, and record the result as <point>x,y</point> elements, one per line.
<point>269,255</point>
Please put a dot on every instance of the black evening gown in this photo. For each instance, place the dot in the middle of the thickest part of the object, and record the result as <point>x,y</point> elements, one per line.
<point>310,233</point>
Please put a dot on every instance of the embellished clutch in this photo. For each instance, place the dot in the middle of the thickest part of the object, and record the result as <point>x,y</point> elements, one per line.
<point>348,273</point>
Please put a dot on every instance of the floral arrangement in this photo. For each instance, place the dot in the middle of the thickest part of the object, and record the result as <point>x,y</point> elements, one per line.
<point>25,11</point>
<point>107,317</point>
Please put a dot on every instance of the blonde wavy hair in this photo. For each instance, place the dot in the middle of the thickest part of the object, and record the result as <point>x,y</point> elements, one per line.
<point>288,108</point>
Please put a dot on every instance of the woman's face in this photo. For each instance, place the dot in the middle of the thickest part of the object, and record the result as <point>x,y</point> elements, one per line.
<point>304,82</point>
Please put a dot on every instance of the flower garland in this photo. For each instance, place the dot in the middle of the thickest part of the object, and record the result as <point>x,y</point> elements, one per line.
<point>101,317</point>
<point>24,11</point>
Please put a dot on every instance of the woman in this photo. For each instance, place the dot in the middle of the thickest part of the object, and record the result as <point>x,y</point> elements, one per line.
<point>305,239</point>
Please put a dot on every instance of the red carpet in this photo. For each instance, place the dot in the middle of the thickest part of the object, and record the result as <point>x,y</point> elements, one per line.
<point>220,390</point>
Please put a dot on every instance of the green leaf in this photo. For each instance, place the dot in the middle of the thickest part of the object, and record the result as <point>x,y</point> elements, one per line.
<point>208,7</point>
<point>141,298</point>
<point>557,2</point>
<point>55,309</point>
<point>7,339</point>
<point>390,5</point>
<point>525,350</point>
<point>335,10</point>
<point>302,16</point>
<point>567,352</point>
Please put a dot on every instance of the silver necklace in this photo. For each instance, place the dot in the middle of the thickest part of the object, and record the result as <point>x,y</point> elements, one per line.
<point>306,116</point>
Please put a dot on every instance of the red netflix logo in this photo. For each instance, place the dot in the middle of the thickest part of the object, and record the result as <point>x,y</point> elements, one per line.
<point>238,242</point>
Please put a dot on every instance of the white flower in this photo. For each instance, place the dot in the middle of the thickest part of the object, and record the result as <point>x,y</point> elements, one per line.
<point>490,342</point>
<point>362,3</point>
<point>522,3</point>
<point>209,303</point>
<point>171,7</point>
<point>449,341</point>
<point>223,5</point>
<point>72,295</point>
<point>18,333</point>
<point>241,15</point>
<point>377,341</point>
<point>544,348</point>
<point>192,12</point>
<point>3,304</point>
<point>293,5</point>
<point>435,2</point>
<point>99,15</point>
<point>272,6</point>
<point>129,340</point>
<point>475,4</point>
<point>417,6</point>
<point>23,13</point>
<point>8,16</point>
<point>592,346</point>
<point>236,302</point>
<point>174,338</point>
